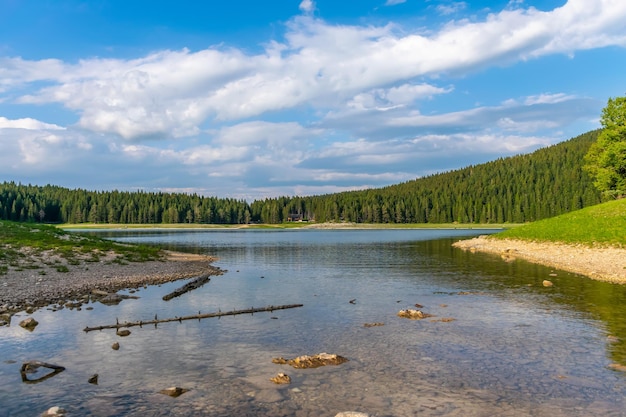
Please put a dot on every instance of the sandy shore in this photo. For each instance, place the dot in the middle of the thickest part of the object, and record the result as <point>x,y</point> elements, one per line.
<point>601,263</point>
<point>46,285</point>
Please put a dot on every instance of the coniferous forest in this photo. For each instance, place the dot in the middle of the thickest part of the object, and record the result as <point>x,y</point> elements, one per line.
<point>523,188</point>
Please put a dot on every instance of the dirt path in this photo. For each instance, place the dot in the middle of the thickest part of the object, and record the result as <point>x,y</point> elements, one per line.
<point>605,264</point>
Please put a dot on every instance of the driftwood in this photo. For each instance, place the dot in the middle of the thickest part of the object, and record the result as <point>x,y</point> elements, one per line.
<point>32,366</point>
<point>192,285</point>
<point>198,316</point>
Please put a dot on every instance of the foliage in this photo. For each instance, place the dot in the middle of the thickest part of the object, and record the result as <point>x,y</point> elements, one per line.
<point>606,159</point>
<point>603,224</point>
<point>518,189</point>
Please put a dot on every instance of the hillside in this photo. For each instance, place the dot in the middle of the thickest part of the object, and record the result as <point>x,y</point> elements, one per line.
<point>518,189</point>
<point>602,224</point>
<point>545,183</point>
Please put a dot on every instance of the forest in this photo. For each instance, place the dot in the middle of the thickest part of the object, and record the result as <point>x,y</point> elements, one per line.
<point>518,189</point>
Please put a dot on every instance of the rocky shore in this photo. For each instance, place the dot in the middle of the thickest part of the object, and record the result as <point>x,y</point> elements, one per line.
<point>37,287</point>
<point>600,263</point>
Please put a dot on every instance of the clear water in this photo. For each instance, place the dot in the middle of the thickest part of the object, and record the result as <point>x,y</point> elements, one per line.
<point>515,348</point>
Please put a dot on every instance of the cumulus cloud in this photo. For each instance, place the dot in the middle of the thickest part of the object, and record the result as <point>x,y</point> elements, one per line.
<point>173,93</point>
<point>27,123</point>
<point>323,108</point>
<point>307,6</point>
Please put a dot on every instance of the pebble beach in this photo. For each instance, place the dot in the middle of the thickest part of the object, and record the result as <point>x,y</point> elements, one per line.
<point>24,288</point>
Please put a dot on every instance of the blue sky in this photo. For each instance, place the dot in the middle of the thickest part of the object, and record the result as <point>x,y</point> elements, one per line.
<point>249,99</point>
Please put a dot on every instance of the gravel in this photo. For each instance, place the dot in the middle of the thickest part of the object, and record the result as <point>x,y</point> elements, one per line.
<point>22,289</point>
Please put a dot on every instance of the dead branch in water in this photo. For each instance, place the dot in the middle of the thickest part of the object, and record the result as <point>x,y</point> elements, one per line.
<point>198,316</point>
<point>192,285</point>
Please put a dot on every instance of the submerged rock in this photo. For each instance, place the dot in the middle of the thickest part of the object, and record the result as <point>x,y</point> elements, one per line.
<point>547,283</point>
<point>94,379</point>
<point>281,378</point>
<point>413,314</point>
<point>54,411</point>
<point>114,299</point>
<point>174,391</point>
<point>29,323</point>
<point>5,319</point>
<point>315,361</point>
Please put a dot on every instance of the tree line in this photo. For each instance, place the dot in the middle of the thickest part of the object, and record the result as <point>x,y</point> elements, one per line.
<point>545,183</point>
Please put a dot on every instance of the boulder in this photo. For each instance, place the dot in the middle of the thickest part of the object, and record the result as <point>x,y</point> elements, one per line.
<point>5,319</point>
<point>547,283</point>
<point>174,391</point>
<point>281,378</point>
<point>123,332</point>
<point>54,411</point>
<point>94,379</point>
<point>29,323</point>
<point>114,298</point>
<point>115,346</point>
<point>413,314</point>
<point>315,361</point>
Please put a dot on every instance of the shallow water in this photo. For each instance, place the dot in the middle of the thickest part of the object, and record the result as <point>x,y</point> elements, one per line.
<point>514,348</point>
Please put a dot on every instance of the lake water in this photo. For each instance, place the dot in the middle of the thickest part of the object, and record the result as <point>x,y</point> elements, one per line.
<point>514,348</point>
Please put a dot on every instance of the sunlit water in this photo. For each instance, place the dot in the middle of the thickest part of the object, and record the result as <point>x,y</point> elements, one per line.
<point>515,348</point>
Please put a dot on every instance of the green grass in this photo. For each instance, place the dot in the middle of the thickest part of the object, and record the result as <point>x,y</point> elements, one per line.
<point>72,247</point>
<point>603,224</point>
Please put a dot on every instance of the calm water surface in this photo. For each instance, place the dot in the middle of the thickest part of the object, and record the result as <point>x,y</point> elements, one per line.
<point>514,348</point>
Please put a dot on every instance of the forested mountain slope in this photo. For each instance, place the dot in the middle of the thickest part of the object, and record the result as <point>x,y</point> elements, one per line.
<point>548,182</point>
<point>545,183</point>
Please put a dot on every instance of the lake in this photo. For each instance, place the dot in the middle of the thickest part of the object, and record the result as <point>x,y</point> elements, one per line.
<point>498,342</point>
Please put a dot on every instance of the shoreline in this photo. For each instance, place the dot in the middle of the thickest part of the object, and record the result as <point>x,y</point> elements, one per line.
<point>599,263</point>
<point>31,289</point>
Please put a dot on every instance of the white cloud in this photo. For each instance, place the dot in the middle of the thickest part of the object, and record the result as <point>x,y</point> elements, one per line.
<point>173,93</point>
<point>548,99</point>
<point>325,108</point>
<point>452,8</point>
<point>27,123</point>
<point>394,2</point>
<point>307,6</point>
<point>395,97</point>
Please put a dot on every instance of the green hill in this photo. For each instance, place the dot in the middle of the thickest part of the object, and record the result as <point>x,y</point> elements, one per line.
<point>519,189</point>
<point>603,224</point>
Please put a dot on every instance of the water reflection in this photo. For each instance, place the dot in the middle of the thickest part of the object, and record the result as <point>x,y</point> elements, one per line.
<point>514,347</point>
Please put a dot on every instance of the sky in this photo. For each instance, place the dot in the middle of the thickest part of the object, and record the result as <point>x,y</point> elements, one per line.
<point>252,100</point>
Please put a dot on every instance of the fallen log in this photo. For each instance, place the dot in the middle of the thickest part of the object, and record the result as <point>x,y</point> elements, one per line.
<point>198,316</point>
<point>190,286</point>
<point>32,366</point>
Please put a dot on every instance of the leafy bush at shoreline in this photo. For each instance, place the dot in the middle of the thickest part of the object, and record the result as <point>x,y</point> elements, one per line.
<point>603,224</point>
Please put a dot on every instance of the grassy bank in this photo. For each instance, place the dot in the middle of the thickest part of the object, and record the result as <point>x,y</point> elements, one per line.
<point>603,224</point>
<point>18,242</point>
